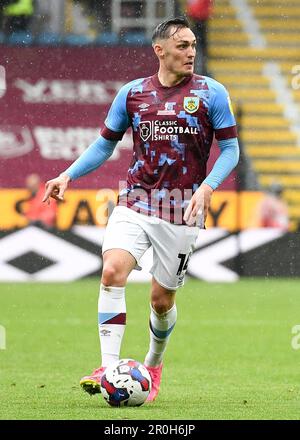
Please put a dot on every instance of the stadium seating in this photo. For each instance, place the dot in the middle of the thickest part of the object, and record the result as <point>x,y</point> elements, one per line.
<point>48,39</point>
<point>107,38</point>
<point>246,70</point>
<point>20,39</point>
<point>76,40</point>
<point>134,38</point>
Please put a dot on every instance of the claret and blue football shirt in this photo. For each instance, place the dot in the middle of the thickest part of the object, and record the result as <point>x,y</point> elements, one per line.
<point>173,129</point>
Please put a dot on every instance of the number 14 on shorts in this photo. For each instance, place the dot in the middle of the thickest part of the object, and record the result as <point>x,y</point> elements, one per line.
<point>184,260</point>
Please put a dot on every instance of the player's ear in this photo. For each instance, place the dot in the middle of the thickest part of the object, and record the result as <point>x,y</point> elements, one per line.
<point>158,49</point>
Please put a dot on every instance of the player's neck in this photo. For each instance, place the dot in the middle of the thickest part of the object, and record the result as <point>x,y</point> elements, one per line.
<point>168,79</point>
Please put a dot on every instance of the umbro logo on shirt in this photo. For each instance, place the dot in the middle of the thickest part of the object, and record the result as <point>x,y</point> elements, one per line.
<point>143,107</point>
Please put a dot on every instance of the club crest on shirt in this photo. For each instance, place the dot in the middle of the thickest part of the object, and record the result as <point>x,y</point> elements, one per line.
<point>191,103</point>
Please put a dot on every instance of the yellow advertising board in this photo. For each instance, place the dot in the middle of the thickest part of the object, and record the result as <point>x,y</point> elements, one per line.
<point>229,209</point>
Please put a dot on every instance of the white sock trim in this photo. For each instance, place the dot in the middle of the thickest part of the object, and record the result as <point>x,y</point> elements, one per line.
<point>114,292</point>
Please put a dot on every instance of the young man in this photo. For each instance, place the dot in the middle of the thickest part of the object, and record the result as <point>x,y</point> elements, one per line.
<point>174,115</point>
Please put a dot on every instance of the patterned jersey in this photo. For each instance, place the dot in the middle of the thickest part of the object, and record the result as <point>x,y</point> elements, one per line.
<point>173,129</point>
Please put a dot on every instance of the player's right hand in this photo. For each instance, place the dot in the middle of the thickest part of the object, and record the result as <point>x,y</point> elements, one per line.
<point>197,210</point>
<point>55,188</point>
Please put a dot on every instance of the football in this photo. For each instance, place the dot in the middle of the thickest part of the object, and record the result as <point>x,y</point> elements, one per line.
<point>126,383</point>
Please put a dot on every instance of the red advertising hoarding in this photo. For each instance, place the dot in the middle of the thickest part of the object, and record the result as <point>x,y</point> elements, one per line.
<point>55,104</point>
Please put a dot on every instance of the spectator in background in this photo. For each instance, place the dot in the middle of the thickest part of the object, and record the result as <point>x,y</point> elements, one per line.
<point>200,12</point>
<point>17,15</point>
<point>32,207</point>
<point>272,211</point>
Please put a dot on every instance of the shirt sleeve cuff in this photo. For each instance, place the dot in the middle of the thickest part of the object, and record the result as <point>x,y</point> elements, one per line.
<point>226,133</point>
<point>111,135</point>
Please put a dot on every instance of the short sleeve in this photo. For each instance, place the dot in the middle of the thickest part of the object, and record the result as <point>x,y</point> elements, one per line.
<point>117,120</point>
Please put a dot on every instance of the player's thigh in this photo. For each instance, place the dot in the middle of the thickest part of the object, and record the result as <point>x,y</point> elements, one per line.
<point>172,247</point>
<point>122,233</point>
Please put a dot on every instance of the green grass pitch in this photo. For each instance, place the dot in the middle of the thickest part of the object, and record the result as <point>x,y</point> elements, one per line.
<point>229,357</point>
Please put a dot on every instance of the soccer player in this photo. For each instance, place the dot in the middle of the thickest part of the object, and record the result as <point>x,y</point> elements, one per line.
<point>174,116</point>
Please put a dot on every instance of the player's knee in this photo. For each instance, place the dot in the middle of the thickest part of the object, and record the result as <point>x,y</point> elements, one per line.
<point>162,303</point>
<point>112,275</point>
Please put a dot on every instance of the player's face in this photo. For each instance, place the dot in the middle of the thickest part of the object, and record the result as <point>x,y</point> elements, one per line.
<point>179,52</point>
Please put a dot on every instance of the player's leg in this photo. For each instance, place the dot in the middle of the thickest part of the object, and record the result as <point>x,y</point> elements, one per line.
<point>162,320</point>
<point>117,265</point>
<point>124,244</point>
<point>172,247</point>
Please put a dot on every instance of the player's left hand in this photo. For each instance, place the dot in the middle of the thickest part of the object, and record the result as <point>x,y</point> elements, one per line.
<point>197,210</point>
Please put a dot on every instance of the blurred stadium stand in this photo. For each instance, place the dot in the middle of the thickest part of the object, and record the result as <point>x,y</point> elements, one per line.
<point>138,15</point>
<point>20,39</point>
<point>48,39</point>
<point>76,40</point>
<point>107,38</point>
<point>256,66</point>
<point>82,22</point>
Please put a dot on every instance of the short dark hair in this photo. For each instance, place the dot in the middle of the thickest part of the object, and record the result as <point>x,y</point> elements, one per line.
<point>162,30</point>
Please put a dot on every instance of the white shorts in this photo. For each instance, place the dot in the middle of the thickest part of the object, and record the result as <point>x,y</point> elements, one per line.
<point>172,244</point>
